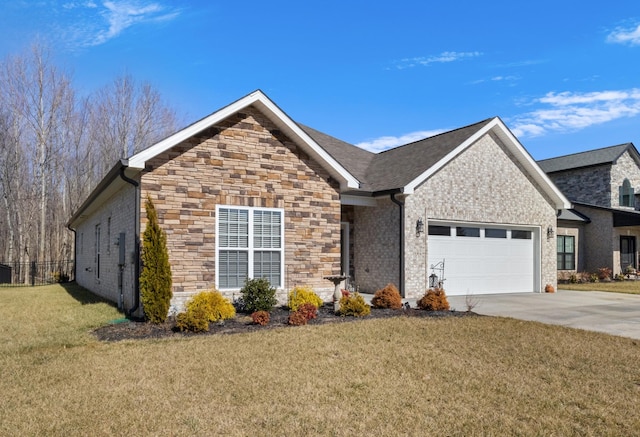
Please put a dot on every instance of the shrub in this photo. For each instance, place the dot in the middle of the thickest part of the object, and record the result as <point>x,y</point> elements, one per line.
<point>573,278</point>
<point>301,295</point>
<point>261,318</point>
<point>604,273</point>
<point>205,307</point>
<point>194,320</point>
<point>155,277</point>
<point>309,310</point>
<point>257,295</point>
<point>297,318</point>
<point>434,299</point>
<point>388,297</point>
<point>354,305</point>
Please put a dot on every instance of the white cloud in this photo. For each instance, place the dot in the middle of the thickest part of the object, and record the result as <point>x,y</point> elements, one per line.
<point>89,23</point>
<point>443,57</point>
<point>122,15</point>
<point>629,36</point>
<point>571,111</point>
<point>388,142</point>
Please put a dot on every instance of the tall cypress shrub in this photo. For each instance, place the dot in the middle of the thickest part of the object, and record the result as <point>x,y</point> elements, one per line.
<point>155,278</point>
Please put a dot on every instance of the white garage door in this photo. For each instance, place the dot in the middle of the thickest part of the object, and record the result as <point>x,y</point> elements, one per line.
<point>482,259</point>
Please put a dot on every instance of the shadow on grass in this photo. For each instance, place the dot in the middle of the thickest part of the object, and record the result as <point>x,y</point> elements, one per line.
<point>84,296</point>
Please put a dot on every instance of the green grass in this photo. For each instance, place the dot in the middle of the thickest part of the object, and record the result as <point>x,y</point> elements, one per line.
<point>629,286</point>
<point>403,376</point>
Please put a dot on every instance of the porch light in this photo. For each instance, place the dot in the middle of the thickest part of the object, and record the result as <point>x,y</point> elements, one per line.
<point>550,233</point>
<point>419,227</point>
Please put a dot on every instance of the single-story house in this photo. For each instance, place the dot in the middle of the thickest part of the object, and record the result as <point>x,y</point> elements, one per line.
<point>248,192</point>
<point>603,227</point>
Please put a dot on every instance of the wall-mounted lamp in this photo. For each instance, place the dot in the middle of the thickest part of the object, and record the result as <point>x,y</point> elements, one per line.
<point>419,227</point>
<point>550,233</point>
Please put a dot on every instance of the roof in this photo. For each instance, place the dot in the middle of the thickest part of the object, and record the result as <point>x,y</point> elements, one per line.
<point>359,171</point>
<point>606,155</point>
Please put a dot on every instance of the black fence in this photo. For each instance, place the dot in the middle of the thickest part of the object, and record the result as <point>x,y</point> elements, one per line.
<point>36,273</point>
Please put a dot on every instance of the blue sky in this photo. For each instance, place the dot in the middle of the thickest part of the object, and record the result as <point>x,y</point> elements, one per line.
<point>563,75</point>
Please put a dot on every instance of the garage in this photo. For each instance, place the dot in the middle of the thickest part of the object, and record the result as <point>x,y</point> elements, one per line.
<point>484,259</point>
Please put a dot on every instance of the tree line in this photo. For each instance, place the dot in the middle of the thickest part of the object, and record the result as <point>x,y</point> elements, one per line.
<point>56,145</point>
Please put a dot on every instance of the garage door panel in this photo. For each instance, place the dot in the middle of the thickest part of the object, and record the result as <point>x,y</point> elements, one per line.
<point>480,265</point>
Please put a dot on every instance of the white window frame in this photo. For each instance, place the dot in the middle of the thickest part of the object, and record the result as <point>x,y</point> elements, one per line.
<point>250,249</point>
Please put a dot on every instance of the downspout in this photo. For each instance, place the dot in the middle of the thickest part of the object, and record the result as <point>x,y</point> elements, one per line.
<point>401,241</point>
<point>75,249</point>
<point>136,227</point>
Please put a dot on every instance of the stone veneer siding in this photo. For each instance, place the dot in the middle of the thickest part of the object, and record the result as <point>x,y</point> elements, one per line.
<point>624,168</point>
<point>244,161</point>
<point>589,185</point>
<point>120,209</point>
<point>484,184</point>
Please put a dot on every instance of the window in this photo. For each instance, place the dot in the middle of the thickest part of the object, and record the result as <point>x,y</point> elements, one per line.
<point>520,235</point>
<point>97,254</point>
<point>495,233</point>
<point>566,252</point>
<point>250,245</point>
<point>463,231</point>
<point>626,194</point>
<point>439,230</point>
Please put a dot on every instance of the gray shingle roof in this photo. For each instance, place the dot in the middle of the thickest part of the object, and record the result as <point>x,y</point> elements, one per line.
<point>394,168</point>
<point>606,155</point>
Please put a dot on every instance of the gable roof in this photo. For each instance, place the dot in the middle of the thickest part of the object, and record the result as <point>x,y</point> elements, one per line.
<point>260,101</point>
<point>590,158</point>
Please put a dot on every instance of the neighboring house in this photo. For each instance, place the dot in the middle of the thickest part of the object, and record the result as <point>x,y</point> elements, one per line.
<point>248,192</point>
<point>604,225</point>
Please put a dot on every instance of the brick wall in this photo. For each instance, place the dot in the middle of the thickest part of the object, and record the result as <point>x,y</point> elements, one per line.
<point>589,185</point>
<point>244,161</point>
<point>624,168</point>
<point>484,184</point>
<point>114,216</point>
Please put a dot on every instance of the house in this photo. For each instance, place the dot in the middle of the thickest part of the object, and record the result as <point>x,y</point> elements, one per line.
<point>603,227</point>
<point>248,192</point>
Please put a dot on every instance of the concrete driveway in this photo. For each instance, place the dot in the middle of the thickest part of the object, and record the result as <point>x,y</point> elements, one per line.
<point>611,313</point>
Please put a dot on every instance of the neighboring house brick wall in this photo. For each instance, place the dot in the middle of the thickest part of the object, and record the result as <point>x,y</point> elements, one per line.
<point>600,240</point>
<point>624,168</point>
<point>244,161</point>
<point>377,247</point>
<point>589,185</point>
<point>121,209</point>
<point>498,192</point>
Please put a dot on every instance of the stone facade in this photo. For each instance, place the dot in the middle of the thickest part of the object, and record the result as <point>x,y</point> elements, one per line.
<point>624,168</point>
<point>588,185</point>
<point>244,161</point>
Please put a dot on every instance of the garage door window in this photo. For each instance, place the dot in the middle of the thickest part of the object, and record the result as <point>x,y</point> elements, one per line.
<point>439,230</point>
<point>566,252</point>
<point>521,235</point>
<point>495,233</point>
<point>463,231</point>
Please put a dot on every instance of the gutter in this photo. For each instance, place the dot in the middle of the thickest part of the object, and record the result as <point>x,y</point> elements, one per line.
<point>136,221</point>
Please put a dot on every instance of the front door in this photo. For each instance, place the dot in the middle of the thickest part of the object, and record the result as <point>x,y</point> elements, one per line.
<point>627,252</point>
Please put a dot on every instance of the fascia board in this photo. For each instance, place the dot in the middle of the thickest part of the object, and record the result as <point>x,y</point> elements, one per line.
<point>410,188</point>
<point>275,114</point>
<point>561,201</point>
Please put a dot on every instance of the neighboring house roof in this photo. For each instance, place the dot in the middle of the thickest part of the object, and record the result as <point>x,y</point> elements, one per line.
<point>606,155</point>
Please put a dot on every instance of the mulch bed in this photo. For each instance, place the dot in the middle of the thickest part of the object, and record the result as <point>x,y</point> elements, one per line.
<point>135,330</point>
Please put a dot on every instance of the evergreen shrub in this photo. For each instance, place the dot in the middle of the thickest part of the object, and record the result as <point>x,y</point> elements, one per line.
<point>301,295</point>
<point>155,277</point>
<point>434,299</point>
<point>388,297</point>
<point>354,305</point>
<point>257,295</point>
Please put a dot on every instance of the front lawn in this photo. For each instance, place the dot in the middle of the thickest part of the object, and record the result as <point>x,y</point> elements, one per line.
<point>628,286</point>
<point>400,376</point>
